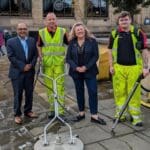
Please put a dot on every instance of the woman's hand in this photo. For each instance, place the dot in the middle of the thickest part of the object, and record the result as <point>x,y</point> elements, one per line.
<point>81,69</point>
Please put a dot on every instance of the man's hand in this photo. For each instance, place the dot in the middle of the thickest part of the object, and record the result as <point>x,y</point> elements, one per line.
<point>145,56</point>
<point>39,59</point>
<point>27,67</point>
<point>145,72</point>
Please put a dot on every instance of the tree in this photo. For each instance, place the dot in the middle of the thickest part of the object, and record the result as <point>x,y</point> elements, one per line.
<point>129,5</point>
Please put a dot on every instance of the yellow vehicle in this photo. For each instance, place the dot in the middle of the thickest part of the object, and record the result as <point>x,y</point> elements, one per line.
<point>145,83</point>
<point>103,63</point>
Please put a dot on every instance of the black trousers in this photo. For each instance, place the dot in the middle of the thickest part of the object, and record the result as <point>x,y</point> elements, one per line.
<point>23,83</point>
<point>92,92</point>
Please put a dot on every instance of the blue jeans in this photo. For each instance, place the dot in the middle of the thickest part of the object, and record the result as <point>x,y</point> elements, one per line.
<point>91,84</point>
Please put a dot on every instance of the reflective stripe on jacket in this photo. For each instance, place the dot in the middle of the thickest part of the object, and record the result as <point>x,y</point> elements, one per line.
<point>53,50</point>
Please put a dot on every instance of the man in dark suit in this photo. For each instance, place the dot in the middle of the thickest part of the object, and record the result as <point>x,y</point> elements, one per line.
<point>22,54</point>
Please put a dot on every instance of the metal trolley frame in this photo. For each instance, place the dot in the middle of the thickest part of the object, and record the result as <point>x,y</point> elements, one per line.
<point>56,104</point>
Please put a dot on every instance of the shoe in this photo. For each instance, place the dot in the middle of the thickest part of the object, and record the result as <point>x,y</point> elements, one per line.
<point>99,121</point>
<point>31,115</point>
<point>18,120</point>
<point>51,114</point>
<point>131,119</point>
<point>139,124</point>
<point>78,118</point>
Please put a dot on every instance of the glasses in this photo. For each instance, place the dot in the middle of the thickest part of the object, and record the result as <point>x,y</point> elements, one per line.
<point>22,28</point>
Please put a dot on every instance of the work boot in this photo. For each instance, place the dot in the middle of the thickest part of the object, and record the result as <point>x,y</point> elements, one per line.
<point>139,124</point>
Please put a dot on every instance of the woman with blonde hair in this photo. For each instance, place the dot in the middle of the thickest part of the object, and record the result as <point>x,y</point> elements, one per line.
<point>72,34</point>
<point>82,55</point>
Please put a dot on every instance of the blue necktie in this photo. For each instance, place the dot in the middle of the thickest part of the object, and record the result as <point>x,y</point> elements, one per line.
<point>25,49</point>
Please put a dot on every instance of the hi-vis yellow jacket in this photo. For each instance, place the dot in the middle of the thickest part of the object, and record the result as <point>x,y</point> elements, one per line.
<point>53,50</point>
<point>134,40</point>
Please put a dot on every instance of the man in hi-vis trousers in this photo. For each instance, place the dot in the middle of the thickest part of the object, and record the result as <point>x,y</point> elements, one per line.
<point>51,45</point>
<point>128,59</point>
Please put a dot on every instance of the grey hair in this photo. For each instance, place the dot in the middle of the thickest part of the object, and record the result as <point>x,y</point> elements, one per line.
<point>88,34</point>
<point>22,23</point>
<point>51,13</point>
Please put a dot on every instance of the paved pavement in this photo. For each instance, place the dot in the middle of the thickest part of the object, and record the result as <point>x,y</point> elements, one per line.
<point>94,137</point>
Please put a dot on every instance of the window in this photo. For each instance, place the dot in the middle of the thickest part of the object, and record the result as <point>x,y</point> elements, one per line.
<point>97,8</point>
<point>15,7</point>
<point>62,8</point>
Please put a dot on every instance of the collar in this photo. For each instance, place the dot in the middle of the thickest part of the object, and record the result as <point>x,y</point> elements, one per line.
<point>122,30</point>
<point>52,30</point>
<point>22,38</point>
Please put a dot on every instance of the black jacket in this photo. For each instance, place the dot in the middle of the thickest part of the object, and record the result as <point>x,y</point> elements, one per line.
<point>89,59</point>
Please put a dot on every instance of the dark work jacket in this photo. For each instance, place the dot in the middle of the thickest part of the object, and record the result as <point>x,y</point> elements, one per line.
<point>17,57</point>
<point>89,59</point>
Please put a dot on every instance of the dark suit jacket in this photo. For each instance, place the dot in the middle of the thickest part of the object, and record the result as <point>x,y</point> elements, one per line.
<point>17,57</point>
<point>89,59</point>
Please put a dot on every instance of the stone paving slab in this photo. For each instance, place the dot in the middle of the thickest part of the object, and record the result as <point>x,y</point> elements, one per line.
<point>83,123</point>
<point>114,144</point>
<point>92,134</point>
<point>128,142</point>
<point>147,132</point>
<point>121,129</point>
<point>106,104</point>
<point>134,142</point>
<point>146,112</point>
<point>145,135</point>
<point>95,146</point>
<point>107,112</point>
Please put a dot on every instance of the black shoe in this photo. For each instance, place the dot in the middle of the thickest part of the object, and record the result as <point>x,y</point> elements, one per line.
<point>99,121</point>
<point>51,114</point>
<point>78,118</point>
<point>131,119</point>
<point>139,124</point>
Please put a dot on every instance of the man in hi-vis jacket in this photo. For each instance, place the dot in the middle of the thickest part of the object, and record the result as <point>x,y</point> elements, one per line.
<point>51,44</point>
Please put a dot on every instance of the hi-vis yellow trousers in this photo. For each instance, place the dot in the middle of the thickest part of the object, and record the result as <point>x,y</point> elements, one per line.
<point>124,79</point>
<point>53,72</point>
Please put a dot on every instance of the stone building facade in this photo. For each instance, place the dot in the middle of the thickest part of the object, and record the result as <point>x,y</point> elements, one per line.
<point>80,12</point>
